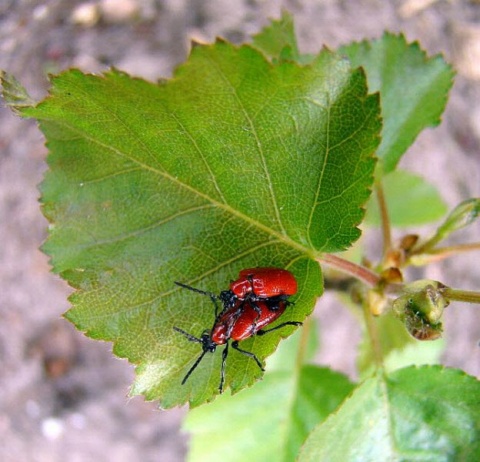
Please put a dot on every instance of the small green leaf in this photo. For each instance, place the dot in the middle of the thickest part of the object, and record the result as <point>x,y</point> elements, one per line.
<point>427,413</point>
<point>14,94</point>
<point>278,39</point>
<point>464,214</point>
<point>268,422</point>
<point>411,201</point>
<point>461,216</point>
<point>413,89</point>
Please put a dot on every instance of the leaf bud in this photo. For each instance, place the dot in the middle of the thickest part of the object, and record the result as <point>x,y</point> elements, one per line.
<point>421,308</point>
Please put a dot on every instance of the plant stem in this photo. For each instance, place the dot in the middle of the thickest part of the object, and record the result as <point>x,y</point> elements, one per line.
<point>373,335</point>
<point>357,271</point>
<point>440,253</point>
<point>384,218</point>
<point>371,279</point>
<point>302,347</point>
<point>453,249</point>
<point>461,295</point>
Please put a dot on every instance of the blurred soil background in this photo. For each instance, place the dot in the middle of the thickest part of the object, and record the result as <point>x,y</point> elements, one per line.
<point>63,397</point>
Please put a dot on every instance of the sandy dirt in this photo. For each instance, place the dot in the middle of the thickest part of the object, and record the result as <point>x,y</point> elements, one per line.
<point>64,397</point>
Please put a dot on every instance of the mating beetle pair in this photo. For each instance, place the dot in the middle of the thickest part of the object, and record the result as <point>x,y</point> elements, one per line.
<point>256,299</point>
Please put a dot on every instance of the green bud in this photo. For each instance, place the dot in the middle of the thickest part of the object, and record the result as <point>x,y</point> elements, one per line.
<point>421,309</point>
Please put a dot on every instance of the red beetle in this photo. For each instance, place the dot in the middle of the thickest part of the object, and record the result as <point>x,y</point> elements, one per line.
<point>239,320</point>
<point>262,283</point>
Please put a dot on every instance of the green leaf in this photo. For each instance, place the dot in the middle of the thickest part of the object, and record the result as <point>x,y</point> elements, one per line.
<point>235,162</point>
<point>269,422</point>
<point>278,39</point>
<point>464,214</point>
<point>411,201</point>
<point>413,89</point>
<point>14,94</point>
<point>427,413</point>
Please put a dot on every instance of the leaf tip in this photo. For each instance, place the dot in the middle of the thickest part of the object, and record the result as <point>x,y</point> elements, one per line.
<point>196,42</point>
<point>14,94</point>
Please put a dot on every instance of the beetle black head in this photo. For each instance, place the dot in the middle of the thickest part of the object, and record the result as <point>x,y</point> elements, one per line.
<point>208,345</point>
<point>228,298</point>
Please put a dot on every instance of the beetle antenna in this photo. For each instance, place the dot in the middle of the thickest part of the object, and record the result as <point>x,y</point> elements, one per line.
<point>213,297</point>
<point>194,289</point>
<point>189,336</point>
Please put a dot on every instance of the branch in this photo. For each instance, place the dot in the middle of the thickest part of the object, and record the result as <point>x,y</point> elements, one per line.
<point>461,295</point>
<point>384,219</point>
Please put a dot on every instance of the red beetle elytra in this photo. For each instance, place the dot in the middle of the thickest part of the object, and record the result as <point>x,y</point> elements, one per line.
<point>242,318</point>
<point>262,283</point>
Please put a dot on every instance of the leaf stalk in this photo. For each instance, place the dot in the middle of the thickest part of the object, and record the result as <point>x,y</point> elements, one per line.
<point>357,271</point>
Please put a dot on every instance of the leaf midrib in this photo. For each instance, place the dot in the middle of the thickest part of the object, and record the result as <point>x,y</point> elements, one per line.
<point>225,206</point>
<point>257,142</point>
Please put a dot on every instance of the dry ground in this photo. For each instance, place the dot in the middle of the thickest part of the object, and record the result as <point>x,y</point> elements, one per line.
<point>63,397</point>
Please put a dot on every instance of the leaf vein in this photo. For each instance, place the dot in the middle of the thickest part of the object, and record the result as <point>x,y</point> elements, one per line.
<point>257,143</point>
<point>282,237</point>
<point>145,229</point>
<point>202,156</point>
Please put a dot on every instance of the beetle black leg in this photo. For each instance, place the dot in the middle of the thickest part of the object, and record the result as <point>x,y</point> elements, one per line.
<point>288,323</point>
<point>249,354</point>
<point>224,362</point>
<point>197,362</point>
